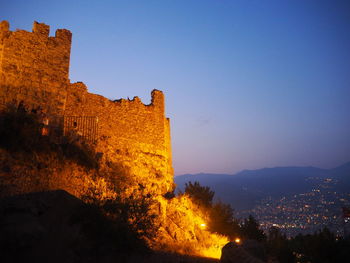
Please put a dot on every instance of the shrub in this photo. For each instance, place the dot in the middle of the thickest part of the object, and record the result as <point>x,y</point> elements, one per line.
<point>250,229</point>
<point>201,195</point>
<point>221,218</point>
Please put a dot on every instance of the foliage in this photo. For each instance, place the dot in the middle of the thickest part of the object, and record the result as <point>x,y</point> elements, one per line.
<point>321,247</point>
<point>278,246</point>
<point>250,229</point>
<point>169,195</point>
<point>222,220</point>
<point>133,212</point>
<point>202,195</point>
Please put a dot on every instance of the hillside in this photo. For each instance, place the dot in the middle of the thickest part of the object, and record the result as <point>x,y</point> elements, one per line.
<point>33,163</point>
<point>54,226</point>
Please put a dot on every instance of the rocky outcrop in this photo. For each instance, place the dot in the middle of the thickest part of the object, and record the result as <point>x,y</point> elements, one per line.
<point>57,227</point>
<point>54,226</point>
<point>233,253</point>
<point>183,229</point>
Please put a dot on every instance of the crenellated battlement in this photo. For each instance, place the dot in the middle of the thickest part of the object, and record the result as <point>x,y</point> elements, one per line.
<point>4,30</point>
<point>41,29</point>
<point>63,34</point>
<point>34,67</point>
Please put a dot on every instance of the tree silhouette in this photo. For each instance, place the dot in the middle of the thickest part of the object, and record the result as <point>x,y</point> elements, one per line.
<point>278,246</point>
<point>202,195</point>
<point>222,220</point>
<point>250,229</point>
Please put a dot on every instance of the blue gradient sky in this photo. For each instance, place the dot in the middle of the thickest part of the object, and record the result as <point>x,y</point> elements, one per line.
<point>248,84</point>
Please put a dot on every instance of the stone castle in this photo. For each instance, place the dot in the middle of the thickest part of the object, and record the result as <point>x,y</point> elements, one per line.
<point>34,70</point>
<point>126,135</point>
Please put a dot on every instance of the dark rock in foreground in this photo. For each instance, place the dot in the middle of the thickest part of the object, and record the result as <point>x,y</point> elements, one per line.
<point>233,253</point>
<point>58,227</point>
<point>55,226</point>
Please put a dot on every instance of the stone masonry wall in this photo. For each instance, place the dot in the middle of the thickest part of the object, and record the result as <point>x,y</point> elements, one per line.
<point>34,69</point>
<point>131,134</point>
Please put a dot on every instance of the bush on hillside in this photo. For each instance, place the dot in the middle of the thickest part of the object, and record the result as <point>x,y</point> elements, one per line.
<point>221,219</point>
<point>250,229</point>
<point>201,195</point>
<point>133,213</point>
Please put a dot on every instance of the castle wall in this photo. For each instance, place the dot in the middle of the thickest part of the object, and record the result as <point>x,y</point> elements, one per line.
<point>131,134</point>
<point>34,67</point>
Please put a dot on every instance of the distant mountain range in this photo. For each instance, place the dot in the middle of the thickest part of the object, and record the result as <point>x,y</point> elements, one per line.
<point>244,189</point>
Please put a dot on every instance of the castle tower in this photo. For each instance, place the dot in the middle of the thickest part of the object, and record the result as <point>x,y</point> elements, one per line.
<point>34,67</point>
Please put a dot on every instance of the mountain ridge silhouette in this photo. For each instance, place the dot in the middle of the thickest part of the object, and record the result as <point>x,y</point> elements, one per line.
<point>243,189</point>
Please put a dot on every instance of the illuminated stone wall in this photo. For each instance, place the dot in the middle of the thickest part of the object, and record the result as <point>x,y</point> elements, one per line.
<point>131,134</point>
<point>34,68</point>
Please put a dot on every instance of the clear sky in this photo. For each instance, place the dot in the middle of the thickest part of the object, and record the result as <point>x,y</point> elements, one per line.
<point>248,84</point>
